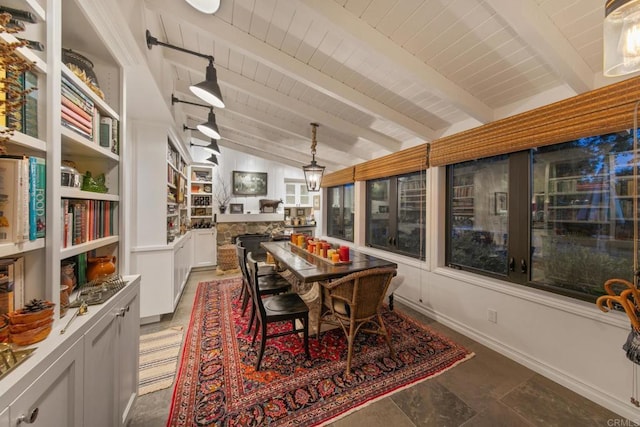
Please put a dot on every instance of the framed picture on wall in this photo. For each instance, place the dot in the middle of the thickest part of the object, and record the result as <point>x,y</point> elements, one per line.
<point>249,183</point>
<point>316,202</point>
<point>300,212</point>
<point>287,212</point>
<point>236,208</point>
<point>501,203</point>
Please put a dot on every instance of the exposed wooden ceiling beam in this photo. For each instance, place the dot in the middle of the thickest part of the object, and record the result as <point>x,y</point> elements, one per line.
<point>536,29</point>
<point>340,19</point>
<point>249,132</point>
<point>312,114</point>
<point>287,65</point>
<point>286,129</point>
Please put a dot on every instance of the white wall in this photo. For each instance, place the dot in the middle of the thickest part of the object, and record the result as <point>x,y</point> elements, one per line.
<point>230,160</point>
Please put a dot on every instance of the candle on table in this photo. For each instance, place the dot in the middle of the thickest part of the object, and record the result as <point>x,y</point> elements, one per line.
<point>344,253</point>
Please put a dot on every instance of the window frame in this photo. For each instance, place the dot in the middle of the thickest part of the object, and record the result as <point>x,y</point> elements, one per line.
<point>328,212</point>
<point>394,210</point>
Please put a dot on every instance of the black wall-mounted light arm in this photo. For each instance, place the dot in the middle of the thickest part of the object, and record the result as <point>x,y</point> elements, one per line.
<point>210,127</point>
<point>212,147</point>
<point>175,100</point>
<point>153,41</point>
<point>207,90</point>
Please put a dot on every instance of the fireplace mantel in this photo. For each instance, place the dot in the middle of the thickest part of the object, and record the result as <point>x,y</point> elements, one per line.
<point>231,225</point>
<point>260,217</point>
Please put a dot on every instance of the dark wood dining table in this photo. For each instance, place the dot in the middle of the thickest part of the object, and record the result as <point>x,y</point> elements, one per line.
<point>311,273</point>
<point>308,268</point>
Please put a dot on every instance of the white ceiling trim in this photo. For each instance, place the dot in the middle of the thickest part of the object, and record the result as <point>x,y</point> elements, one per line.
<point>535,28</point>
<point>344,21</point>
<point>280,61</point>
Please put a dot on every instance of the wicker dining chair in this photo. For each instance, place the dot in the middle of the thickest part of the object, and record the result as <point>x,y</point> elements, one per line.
<point>276,308</point>
<point>354,301</point>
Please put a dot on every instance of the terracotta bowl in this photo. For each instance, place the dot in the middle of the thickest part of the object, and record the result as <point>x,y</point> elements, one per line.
<point>32,335</point>
<point>20,316</point>
<point>18,328</point>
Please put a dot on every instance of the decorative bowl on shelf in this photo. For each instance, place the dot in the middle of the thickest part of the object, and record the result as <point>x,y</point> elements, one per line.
<point>19,328</point>
<point>23,315</point>
<point>32,336</point>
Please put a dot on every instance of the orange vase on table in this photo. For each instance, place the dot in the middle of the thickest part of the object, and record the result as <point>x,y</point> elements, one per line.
<point>100,266</point>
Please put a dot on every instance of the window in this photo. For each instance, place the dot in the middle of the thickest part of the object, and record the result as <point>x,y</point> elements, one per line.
<point>340,212</point>
<point>559,217</point>
<point>395,214</point>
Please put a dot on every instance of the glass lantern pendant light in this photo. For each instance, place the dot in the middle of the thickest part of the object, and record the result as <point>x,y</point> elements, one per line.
<point>313,172</point>
<point>205,6</point>
<point>621,36</point>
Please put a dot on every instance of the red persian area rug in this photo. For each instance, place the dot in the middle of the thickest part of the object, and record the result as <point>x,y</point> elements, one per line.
<point>217,383</point>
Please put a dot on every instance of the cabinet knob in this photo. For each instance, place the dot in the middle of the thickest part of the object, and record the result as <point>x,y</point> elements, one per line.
<point>29,419</point>
<point>122,312</point>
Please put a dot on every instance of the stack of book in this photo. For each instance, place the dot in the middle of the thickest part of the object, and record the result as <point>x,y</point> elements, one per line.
<point>79,112</point>
<point>22,198</point>
<point>86,220</point>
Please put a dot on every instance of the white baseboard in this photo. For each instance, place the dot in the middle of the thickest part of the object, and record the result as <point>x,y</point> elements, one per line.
<point>621,408</point>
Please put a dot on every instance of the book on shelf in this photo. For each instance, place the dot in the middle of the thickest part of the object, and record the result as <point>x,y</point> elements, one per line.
<point>11,201</point>
<point>11,284</point>
<point>86,220</point>
<point>37,197</point>
<point>7,303</point>
<point>106,132</point>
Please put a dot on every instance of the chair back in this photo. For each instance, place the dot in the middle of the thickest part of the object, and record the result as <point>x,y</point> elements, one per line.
<point>252,272</point>
<point>363,291</point>
<point>241,253</point>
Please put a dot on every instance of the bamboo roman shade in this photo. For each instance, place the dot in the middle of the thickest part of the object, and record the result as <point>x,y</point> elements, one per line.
<point>604,110</point>
<point>341,177</point>
<point>412,159</point>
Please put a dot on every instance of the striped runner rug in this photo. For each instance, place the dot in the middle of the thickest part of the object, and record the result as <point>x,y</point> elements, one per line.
<point>158,359</point>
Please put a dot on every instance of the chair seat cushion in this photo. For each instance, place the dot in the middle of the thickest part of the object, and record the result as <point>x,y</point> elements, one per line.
<point>272,283</point>
<point>284,304</point>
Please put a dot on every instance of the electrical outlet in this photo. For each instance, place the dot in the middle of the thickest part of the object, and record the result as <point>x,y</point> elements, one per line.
<point>492,316</point>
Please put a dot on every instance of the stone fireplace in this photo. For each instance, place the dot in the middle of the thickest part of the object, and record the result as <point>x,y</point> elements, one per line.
<point>232,225</point>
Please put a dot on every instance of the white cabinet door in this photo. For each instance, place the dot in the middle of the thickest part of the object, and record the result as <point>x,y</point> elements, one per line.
<point>56,398</point>
<point>128,350</point>
<point>111,363</point>
<point>100,379</point>
<point>204,247</point>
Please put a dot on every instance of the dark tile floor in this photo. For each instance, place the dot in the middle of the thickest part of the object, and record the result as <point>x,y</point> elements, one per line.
<point>488,390</point>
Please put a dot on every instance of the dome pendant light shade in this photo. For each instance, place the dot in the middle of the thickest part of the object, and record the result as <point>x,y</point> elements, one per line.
<point>213,147</point>
<point>205,6</point>
<point>210,128</point>
<point>208,90</point>
<point>621,35</point>
<point>213,159</point>
<point>313,172</point>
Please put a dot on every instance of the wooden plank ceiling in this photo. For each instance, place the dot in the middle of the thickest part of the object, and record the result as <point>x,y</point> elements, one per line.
<point>377,75</point>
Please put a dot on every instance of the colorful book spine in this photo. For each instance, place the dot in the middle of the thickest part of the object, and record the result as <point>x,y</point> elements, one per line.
<point>32,198</point>
<point>6,286</point>
<point>9,203</point>
<point>40,199</point>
